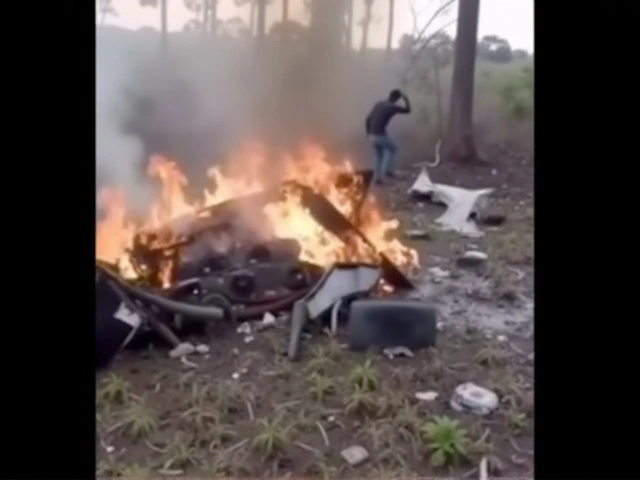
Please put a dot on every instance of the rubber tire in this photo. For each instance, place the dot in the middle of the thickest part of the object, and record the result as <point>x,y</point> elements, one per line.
<point>391,323</point>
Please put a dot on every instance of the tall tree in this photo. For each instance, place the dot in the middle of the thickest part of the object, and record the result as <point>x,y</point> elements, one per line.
<point>164,33</point>
<point>326,27</point>
<point>106,8</point>
<point>459,143</point>
<point>365,22</point>
<point>163,18</point>
<point>349,28</point>
<point>392,6</point>
<point>285,11</point>
<point>261,20</point>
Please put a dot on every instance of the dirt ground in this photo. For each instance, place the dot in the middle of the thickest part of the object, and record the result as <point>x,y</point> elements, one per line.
<point>156,417</point>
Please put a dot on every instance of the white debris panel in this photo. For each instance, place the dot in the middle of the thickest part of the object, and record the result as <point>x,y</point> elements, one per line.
<point>461,203</point>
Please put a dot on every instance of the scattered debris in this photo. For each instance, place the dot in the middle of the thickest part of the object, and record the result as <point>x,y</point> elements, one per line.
<point>418,234</point>
<point>249,339</point>
<point>501,338</point>
<point>267,321</point>
<point>462,204</point>
<point>393,352</point>
<point>354,455</point>
<point>389,323</point>
<point>202,349</point>
<point>471,398</point>
<point>427,396</point>
<point>472,258</point>
<point>483,469</point>
<point>182,350</point>
<point>438,274</point>
<point>242,371</point>
<point>188,363</point>
<point>244,328</point>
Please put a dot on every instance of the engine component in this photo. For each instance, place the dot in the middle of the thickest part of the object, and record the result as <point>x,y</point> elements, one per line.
<point>243,283</point>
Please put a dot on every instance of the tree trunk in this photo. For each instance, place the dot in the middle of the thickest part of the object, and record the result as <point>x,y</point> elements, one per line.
<point>366,21</point>
<point>349,32</point>
<point>261,21</point>
<point>459,144</point>
<point>163,25</point>
<point>326,28</point>
<point>252,18</point>
<point>213,17</point>
<point>285,11</point>
<point>436,76</point>
<point>205,17</point>
<point>392,6</point>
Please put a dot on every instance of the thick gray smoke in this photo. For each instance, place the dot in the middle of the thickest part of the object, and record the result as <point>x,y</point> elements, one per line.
<point>205,99</point>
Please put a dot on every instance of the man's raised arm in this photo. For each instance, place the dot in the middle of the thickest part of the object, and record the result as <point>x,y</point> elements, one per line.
<point>407,105</point>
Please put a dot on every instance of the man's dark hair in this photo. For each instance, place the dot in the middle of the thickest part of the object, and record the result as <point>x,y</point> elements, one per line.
<point>395,95</point>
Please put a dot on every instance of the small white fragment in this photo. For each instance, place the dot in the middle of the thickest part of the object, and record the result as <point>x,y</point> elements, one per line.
<point>202,349</point>
<point>187,363</point>
<point>249,339</point>
<point>393,352</point>
<point>235,351</point>
<point>235,375</point>
<point>331,418</point>
<point>472,258</point>
<point>501,338</point>
<point>268,319</point>
<point>107,448</point>
<point>182,350</point>
<point>427,396</point>
<point>439,273</point>
<point>354,455</point>
<point>244,328</point>
<point>471,398</point>
<point>440,326</point>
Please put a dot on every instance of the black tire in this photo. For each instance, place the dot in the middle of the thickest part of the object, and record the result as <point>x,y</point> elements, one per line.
<point>391,323</point>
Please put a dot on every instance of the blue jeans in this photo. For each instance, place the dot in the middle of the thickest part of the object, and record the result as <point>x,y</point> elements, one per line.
<point>385,152</point>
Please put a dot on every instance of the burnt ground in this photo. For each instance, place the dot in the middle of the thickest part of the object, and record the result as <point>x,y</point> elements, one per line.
<point>157,417</point>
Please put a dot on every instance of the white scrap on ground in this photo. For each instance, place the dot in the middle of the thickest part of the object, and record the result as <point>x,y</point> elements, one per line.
<point>427,396</point>
<point>182,350</point>
<point>472,398</point>
<point>461,203</point>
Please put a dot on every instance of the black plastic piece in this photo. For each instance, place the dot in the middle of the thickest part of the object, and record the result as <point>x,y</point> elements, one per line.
<point>391,323</point>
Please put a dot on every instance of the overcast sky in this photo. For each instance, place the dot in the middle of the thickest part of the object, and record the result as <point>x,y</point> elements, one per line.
<point>510,19</point>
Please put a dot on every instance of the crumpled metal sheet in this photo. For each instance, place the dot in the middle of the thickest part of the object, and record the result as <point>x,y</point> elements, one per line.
<point>461,204</point>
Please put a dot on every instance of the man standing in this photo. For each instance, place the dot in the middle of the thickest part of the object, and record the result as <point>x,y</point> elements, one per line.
<point>376,128</point>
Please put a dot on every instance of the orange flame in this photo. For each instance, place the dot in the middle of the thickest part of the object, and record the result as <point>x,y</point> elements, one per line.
<point>244,174</point>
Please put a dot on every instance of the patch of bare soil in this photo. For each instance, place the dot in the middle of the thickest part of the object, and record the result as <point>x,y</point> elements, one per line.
<point>247,411</point>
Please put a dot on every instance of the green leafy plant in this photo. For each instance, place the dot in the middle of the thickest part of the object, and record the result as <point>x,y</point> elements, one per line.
<point>407,418</point>
<point>180,453</point>
<point>446,440</point>
<point>200,413</point>
<point>323,469</point>
<point>516,95</point>
<point>109,467</point>
<point>140,421</point>
<point>136,471</point>
<point>219,433</point>
<point>113,389</point>
<point>321,386</point>
<point>322,359</point>
<point>271,439</point>
<point>360,402</point>
<point>365,377</point>
<point>517,421</point>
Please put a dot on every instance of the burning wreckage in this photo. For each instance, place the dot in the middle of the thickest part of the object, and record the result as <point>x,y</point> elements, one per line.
<point>315,245</point>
